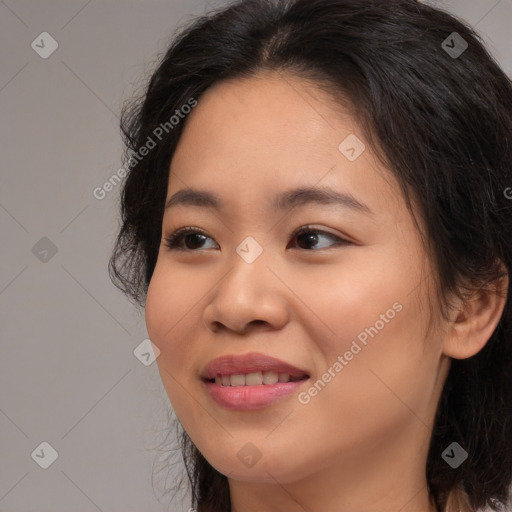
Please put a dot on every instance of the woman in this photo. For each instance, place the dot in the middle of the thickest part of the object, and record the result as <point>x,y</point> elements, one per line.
<point>316,220</point>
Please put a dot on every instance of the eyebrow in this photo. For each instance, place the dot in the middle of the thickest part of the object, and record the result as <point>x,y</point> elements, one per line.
<point>285,201</point>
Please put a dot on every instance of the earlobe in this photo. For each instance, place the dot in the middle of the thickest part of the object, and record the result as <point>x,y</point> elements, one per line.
<point>475,319</point>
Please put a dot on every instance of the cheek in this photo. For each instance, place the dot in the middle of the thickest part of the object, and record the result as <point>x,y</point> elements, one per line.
<point>170,300</point>
<point>173,317</point>
<point>159,306</point>
<point>169,305</point>
<point>386,377</point>
<point>363,293</point>
<point>375,317</point>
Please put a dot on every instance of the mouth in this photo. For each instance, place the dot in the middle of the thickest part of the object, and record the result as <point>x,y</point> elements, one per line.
<point>250,381</point>
<point>252,369</point>
<point>260,378</point>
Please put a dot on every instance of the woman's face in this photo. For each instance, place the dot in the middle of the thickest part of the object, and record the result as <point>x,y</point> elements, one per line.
<point>346,303</point>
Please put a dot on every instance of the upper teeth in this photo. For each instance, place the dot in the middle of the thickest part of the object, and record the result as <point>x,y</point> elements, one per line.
<point>252,379</point>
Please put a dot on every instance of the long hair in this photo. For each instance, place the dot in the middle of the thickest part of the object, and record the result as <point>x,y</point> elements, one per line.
<point>436,111</point>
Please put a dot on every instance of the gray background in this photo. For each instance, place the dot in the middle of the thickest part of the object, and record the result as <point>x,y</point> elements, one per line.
<point>68,373</point>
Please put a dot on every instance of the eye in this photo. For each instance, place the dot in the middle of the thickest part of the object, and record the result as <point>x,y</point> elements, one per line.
<point>174,241</point>
<point>311,235</point>
<point>191,239</point>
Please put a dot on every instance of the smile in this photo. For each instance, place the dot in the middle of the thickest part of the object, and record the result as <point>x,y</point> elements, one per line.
<point>250,381</point>
<point>266,378</point>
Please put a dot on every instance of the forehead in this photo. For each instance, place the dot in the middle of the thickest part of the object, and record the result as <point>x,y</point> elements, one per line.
<point>248,137</point>
<point>265,105</point>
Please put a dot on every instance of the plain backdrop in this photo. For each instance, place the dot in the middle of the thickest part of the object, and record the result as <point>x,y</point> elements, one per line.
<point>69,376</point>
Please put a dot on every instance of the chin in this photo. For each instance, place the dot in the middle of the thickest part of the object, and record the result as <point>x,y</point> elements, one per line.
<point>270,470</point>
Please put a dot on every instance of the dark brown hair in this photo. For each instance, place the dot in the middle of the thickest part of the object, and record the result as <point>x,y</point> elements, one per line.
<point>441,122</point>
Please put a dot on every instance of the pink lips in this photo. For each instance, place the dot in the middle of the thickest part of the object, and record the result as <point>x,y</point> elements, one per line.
<point>249,397</point>
<point>247,363</point>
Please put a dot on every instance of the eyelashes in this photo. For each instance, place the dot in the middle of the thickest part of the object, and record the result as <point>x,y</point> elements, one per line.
<point>307,234</point>
<point>174,241</point>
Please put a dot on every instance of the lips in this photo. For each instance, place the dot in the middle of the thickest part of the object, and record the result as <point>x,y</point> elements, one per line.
<point>247,364</point>
<point>250,381</point>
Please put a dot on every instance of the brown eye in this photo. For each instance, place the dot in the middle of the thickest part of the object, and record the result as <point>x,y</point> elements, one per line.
<point>193,239</point>
<point>309,236</point>
<point>186,239</point>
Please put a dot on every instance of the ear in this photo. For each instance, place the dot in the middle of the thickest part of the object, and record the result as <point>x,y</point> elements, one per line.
<point>473,320</point>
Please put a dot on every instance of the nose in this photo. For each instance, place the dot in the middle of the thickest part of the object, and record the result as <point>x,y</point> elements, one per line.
<point>250,296</point>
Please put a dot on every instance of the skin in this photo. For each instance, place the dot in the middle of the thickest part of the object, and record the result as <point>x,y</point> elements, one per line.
<point>361,443</point>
